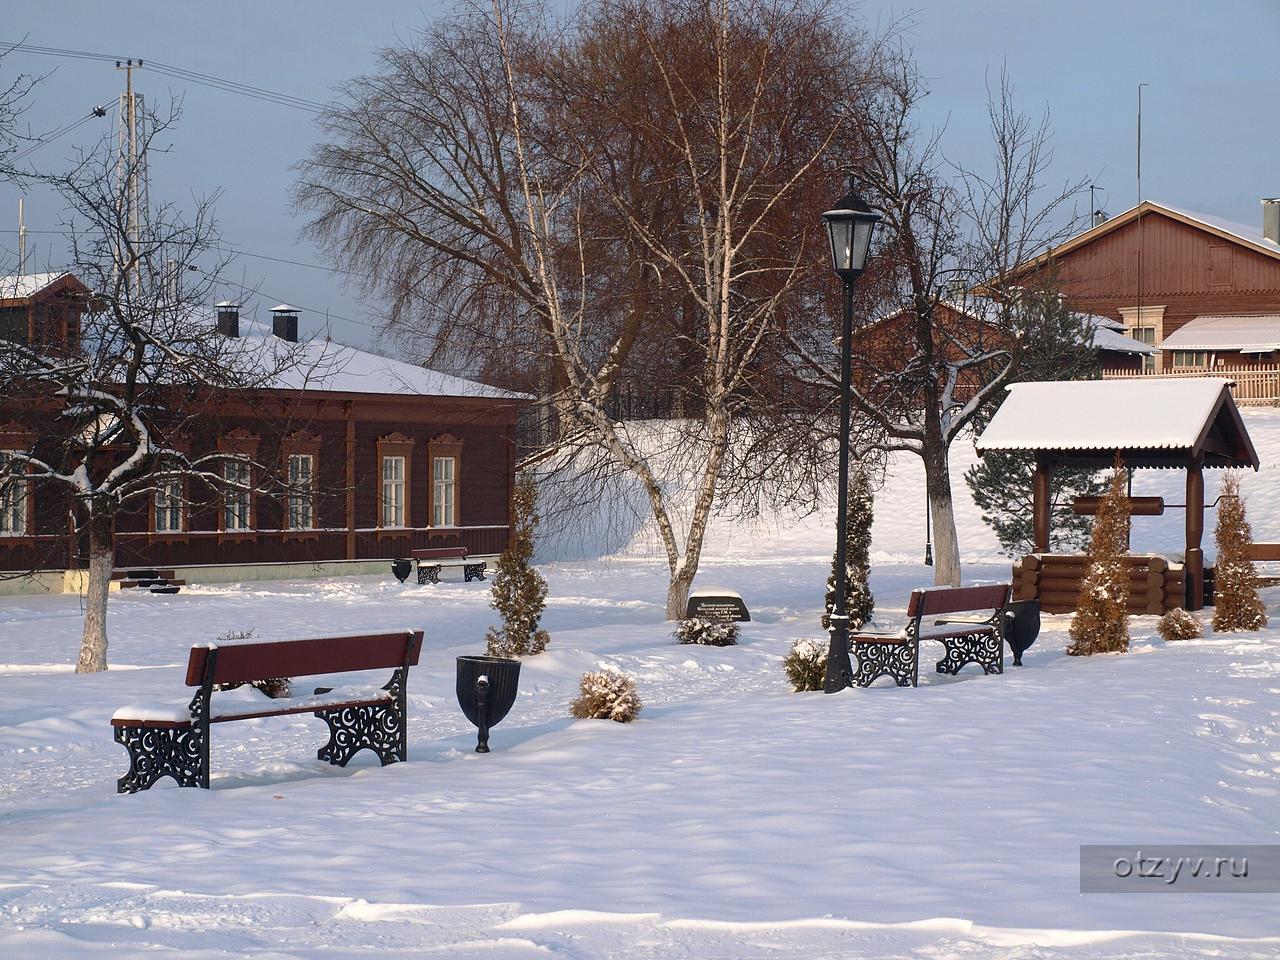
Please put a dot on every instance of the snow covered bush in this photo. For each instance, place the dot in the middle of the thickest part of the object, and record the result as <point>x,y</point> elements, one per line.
<point>276,687</point>
<point>606,695</point>
<point>519,591</point>
<point>1101,623</point>
<point>707,633</point>
<point>1236,604</point>
<point>858,601</point>
<point>1178,624</point>
<point>806,665</point>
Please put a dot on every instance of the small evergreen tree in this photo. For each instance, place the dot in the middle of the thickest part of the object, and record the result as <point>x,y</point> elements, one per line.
<point>859,602</point>
<point>1236,604</point>
<point>1101,623</point>
<point>1001,487</point>
<point>519,591</point>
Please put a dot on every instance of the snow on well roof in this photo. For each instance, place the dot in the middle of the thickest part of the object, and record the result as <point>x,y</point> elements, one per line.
<point>21,286</point>
<point>1258,333</point>
<point>1139,414</point>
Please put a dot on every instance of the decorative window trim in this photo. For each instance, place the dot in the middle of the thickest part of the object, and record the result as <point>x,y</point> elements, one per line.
<point>7,436</point>
<point>444,446</point>
<point>396,445</point>
<point>184,514</point>
<point>249,532</point>
<point>305,444</point>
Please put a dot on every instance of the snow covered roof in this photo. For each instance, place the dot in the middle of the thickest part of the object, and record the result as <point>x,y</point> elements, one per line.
<point>323,365</point>
<point>1097,418</point>
<point>1107,335</point>
<point>24,285</point>
<point>1258,333</point>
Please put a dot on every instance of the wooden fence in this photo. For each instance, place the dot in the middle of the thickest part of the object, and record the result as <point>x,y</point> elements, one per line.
<point>1255,385</point>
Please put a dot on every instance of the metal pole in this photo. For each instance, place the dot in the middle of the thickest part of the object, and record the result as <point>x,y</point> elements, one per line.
<point>839,666</point>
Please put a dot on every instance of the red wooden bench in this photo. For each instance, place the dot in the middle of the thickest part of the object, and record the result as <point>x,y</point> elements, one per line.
<point>167,740</point>
<point>431,560</point>
<point>977,640</point>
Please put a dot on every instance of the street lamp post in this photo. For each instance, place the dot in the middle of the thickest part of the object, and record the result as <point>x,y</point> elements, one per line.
<point>849,225</point>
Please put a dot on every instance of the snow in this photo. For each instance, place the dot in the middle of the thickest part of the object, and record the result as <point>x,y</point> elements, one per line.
<point>1107,337</point>
<point>22,286</point>
<point>1104,414</point>
<point>732,819</point>
<point>1257,333</point>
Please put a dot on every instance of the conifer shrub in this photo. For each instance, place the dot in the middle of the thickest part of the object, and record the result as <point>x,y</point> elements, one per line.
<point>706,632</point>
<point>1101,623</point>
<point>859,602</point>
<point>1179,624</point>
<point>806,665</point>
<point>519,590</point>
<point>1236,604</point>
<point>606,695</point>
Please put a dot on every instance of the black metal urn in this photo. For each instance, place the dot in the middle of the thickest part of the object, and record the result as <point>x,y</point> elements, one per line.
<point>486,690</point>
<point>1021,627</point>
<point>401,569</point>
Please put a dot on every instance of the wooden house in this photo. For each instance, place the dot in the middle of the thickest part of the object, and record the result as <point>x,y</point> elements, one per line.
<point>372,457</point>
<point>1202,290</point>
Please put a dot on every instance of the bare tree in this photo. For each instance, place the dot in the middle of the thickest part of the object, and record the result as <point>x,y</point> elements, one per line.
<point>115,399</point>
<point>632,198</point>
<point>951,325</point>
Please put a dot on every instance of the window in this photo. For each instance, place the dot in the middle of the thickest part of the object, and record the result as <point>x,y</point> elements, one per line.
<point>444,474</point>
<point>168,505</point>
<point>298,500</point>
<point>1145,335</point>
<point>1190,358</point>
<point>13,500</point>
<point>235,498</point>
<point>393,474</point>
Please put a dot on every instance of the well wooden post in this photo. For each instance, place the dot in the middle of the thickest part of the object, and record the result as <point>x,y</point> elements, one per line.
<point>1194,565</point>
<point>1040,502</point>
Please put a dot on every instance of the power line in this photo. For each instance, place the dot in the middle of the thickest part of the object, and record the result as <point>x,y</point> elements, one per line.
<point>177,73</point>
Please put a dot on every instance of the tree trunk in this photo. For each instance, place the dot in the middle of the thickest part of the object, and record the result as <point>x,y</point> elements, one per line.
<point>93,644</point>
<point>678,593</point>
<point>946,542</point>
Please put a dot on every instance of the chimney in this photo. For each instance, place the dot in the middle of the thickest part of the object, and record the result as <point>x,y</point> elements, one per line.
<point>228,318</point>
<point>1271,220</point>
<point>1099,218</point>
<point>284,322</point>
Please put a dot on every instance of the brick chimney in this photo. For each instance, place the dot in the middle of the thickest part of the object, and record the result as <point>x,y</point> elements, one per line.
<point>284,322</point>
<point>1271,220</point>
<point>228,318</point>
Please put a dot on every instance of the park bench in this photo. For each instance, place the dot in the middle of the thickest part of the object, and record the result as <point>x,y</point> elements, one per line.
<point>168,740</point>
<point>973,639</point>
<point>431,560</point>
<point>1264,553</point>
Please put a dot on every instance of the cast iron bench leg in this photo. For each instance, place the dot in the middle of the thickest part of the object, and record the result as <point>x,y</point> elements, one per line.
<point>897,660</point>
<point>984,647</point>
<point>473,571</point>
<point>156,752</point>
<point>428,572</point>
<point>378,727</point>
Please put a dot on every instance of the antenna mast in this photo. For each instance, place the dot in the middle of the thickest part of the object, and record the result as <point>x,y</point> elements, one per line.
<point>22,240</point>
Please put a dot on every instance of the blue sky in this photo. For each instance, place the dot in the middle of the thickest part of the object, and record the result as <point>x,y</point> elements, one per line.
<point>1211,138</point>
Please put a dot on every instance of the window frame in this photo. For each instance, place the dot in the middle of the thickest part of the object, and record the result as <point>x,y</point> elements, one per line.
<point>300,492</point>
<point>395,446</point>
<point>181,505</point>
<point>444,447</point>
<point>21,504</point>
<point>238,460</point>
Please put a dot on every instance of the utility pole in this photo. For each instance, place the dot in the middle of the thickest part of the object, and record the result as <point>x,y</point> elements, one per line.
<point>22,240</point>
<point>127,173</point>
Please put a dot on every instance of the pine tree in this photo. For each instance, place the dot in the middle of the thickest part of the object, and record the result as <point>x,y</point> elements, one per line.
<point>859,603</point>
<point>1101,623</point>
<point>519,591</point>
<point>1236,604</point>
<point>1001,487</point>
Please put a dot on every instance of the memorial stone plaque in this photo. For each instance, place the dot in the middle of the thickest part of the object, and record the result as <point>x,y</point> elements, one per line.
<point>716,603</point>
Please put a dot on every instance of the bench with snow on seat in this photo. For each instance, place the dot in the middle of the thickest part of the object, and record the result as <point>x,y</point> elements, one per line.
<point>168,740</point>
<point>431,560</point>
<point>966,640</point>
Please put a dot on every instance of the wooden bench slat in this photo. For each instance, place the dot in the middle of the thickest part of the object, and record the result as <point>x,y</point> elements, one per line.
<point>244,662</point>
<point>926,603</point>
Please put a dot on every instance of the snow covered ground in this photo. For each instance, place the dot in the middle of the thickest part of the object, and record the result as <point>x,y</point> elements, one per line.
<point>734,819</point>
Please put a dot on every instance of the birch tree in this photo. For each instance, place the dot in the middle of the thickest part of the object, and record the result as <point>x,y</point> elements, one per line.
<point>115,401</point>
<point>636,195</point>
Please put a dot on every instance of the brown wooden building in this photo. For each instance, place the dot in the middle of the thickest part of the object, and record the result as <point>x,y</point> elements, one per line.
<point>1203,290</point>
<point>379,457</point>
